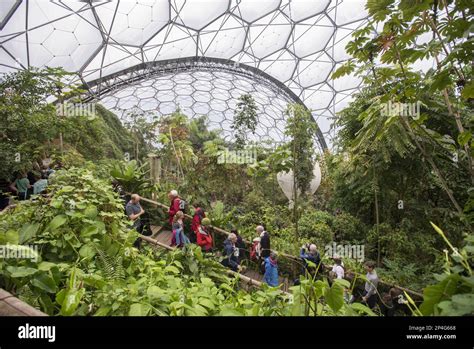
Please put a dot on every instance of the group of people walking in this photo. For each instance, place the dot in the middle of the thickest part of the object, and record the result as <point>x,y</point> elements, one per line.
<point>235,250</point>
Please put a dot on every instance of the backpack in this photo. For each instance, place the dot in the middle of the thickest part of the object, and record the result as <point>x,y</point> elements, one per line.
<point>183,205</point>
<point>254,251</point>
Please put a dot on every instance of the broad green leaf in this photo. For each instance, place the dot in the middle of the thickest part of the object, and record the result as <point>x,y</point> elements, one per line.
<point>207,303</point>
<point>172,269</point>
<point>361,308</point>
<point>45,282</point>
<point>72,298</point>
<point>334,296</point>
<point>20,272</point>
<point>344,283</point>
<point>459,305</point>
<point>89,230</point>
<point>434,294</point>
<point>102,311</point>
<point>155,292</point>
<point>28,231</point>
<point>46,266</point>
<point>139,309</point>
<point>91,212</point>
<point>57,221</point>
<point>87,251</point>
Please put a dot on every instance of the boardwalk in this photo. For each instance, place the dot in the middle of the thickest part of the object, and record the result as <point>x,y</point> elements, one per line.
<point>164,237</point>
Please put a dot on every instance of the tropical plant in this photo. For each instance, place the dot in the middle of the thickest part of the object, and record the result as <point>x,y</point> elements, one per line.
<point>131,175</point>
<point>245,119</point>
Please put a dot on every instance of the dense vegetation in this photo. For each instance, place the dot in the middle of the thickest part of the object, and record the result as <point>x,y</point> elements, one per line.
<point>401,185</point>
<point>86,264</point>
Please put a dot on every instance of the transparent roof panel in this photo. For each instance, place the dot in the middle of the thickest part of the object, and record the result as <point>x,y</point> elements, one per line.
<point>298,43</point>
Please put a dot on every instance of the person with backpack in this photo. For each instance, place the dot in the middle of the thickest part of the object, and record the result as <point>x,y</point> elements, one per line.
<point>255,250</point>
<point>203,235</point>
<point>179,239</point>
<point>264,241</point>
<point>177,204</point>
<point>240,244</point>
<point>231,254</point>
<point>271,270</point>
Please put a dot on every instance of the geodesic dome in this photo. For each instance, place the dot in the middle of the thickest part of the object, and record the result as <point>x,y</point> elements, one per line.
<point>198,54</point>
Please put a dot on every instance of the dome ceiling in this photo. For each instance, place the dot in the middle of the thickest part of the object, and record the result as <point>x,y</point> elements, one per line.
<point>297,42</point>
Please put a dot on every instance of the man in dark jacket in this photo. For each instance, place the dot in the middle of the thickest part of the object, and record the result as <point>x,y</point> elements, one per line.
<point>264,241</point>
<point>231,253</point>
<point>264,246</point>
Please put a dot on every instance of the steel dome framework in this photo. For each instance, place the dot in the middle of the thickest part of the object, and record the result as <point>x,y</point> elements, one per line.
<point>198,54</point>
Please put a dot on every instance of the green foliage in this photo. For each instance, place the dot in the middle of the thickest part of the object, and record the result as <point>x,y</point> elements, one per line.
<point>453,294</point>
<point>315,225</point>
<point>301,130</point>
<point>26,119</point>
<point>219,217</point>
<point>131,175</point>
<point>86,265</point>
<point>245,119</point>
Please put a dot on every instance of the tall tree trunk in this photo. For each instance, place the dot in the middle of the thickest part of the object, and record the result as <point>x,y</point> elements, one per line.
<point>377,218</point>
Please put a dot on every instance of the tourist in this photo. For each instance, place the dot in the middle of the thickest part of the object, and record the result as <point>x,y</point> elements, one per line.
<point>134,211</point>
<point>231,253</point>
<point>198,216</point>
<point>309,253</point>
<point>264,246</point>
<point>203,235</point>
<point>271,270</point>
<point>47,171</point>
<point>338,268</point>
<point>179,239</point>
<point>174,205</point>
<point>40,184</point>
<point>255,250</point>
<point>264,241</point>
<point>240,244</point>
<point>21,186</point>
<point>371,283</point>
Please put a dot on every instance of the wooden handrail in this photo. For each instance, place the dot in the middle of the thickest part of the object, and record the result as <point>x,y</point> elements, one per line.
<point>228,271</point>
<point>12,306</point>
<point>222,231</point>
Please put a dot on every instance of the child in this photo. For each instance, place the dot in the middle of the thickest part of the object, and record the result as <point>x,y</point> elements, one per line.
<point>203,236</point>
<point>198,216</point>
<point>271,270</point>
<point>179,238</point>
